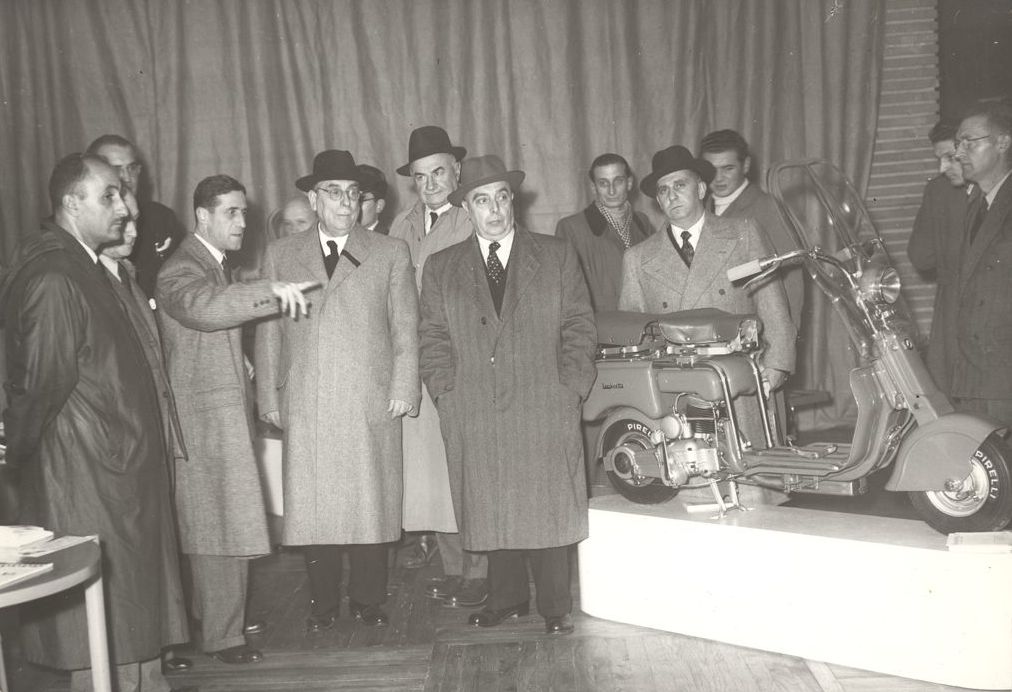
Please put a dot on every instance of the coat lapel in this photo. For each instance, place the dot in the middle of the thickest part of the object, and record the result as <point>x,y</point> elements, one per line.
<point>666,268</point>
<point>989,230</point>
<point>310,256</point>
<point>522,266</point>
<point>473,281</point>
<point>710,259</point>
<point>355,252</point>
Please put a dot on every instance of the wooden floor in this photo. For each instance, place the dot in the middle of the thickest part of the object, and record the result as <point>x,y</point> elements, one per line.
<point>430,647</point>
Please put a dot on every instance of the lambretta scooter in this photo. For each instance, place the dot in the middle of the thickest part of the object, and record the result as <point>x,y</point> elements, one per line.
<point>671,387</point>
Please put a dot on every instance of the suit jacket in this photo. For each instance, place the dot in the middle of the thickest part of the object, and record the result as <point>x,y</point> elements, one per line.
<point>84,427</point>
<point>155,224</point>
<point>983,369</point>
<point>936,249</point>
<point>142,317</point>
<point>428,505</point>
<point>509,388</point>
<point>331,377</point>
<point>755,204</point>
<point>600,251</point>
<point>219,499</point>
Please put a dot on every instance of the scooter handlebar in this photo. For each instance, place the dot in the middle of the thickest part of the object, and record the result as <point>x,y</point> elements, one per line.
<point>743,271</point>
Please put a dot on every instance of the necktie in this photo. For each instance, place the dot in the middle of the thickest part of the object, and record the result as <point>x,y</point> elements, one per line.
<point>432,220</point>
<point>978,220</point>
<point>494,267</point>
<point>687,252</point>
<point>330,261</point>
<point>227,269</point>
<point>124,278</point>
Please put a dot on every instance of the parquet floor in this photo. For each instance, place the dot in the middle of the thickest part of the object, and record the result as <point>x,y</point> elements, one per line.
<point>429,647</point>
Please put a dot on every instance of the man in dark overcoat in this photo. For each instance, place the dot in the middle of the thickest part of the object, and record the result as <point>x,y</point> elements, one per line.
<point>508,341</point>
<point>603,231</point>
<point>982,369</point>
<point>85,430</point>
<point>935,248</point>
<point>338,384</point>
<point>219,500</point>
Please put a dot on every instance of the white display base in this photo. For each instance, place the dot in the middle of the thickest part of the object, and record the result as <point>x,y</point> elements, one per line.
<point>873,593</point>
<point>269,461</point>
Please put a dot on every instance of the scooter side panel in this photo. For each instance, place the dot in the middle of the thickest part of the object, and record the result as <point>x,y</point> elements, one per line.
<point>626,383</point>
<point>939,451</point>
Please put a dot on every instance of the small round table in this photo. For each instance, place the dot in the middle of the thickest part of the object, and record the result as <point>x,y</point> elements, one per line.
<point>78,564</point>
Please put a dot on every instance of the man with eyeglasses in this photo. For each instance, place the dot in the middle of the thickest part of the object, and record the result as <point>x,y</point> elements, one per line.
<point>982,368</point>
<point>508,343</point>
<point>428,226</point>
<point>159,232</point>
<point>684,267</point>
<point>338,383</point>
<point>935,247</point>
<point>373,200</point>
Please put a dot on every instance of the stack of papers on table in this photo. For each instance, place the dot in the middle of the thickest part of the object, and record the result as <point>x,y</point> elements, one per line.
<point>13,572</point>
<point>15,539</point>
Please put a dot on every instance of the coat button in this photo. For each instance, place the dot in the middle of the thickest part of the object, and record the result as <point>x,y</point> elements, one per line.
<point>484,321</point>
<point>721,291</point>
<point>492,360</point>
<point>664,305</point>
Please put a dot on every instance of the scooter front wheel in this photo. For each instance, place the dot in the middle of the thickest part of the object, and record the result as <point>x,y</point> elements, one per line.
<point>981,502</point>
<point>631,432</point>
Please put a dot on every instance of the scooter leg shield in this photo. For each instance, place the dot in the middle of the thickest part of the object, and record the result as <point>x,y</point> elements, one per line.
<point>939,451</point>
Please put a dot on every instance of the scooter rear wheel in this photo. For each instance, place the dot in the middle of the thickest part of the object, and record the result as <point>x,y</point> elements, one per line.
<point>632,433</point>
<point>983,503</point>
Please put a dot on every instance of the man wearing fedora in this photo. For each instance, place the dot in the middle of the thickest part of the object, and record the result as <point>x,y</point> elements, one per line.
<point>373,200</point>
<point>684,266</point>
<point>430,225</point>
<point>337,383</point>
<point>507,337</point>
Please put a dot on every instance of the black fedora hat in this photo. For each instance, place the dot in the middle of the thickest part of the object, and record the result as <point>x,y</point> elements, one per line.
<point>428,140</point>
<point>332,164</point>
<point>372,181</point>
<point>675,158</point>
<point>482,170</point>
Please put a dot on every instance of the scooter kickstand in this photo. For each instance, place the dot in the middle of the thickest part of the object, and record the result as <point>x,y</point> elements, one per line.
<point>724,507</point>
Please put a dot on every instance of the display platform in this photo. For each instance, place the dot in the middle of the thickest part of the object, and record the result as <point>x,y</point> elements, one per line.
<point>874,593</point>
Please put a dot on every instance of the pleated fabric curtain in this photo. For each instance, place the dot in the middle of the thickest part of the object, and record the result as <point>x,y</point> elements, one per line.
<point>254,88</point>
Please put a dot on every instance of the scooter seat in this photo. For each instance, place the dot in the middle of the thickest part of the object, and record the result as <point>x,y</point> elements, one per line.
<point>699,326</point>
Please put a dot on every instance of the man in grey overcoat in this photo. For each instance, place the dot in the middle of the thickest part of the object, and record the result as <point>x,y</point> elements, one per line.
<point>337,383</point>
<point>508,341</point>
<point>684,266</point>
<point>429,225</point>
<point>219,501</point>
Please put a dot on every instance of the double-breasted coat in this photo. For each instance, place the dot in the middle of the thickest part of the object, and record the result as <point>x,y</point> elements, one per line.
<point>983,327</point>
<point>936,249</point>
<point>428,505</point>
<point>331,377</point>
<point>509,389</point>
<point>600,251</point>
<point>84,427</point>
<point>219,499</point>
<point>655,279</point>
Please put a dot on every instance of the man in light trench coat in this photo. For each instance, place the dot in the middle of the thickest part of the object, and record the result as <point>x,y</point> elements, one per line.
<point>432,224</point>
<point>219,501</point>
<point>508,340</point>
<point>337,384</point>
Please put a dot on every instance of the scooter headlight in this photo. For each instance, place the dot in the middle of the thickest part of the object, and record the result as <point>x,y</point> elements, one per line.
<point>881,285</point>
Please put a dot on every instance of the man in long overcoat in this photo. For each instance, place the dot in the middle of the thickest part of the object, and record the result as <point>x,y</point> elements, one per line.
<point>337,384</point>
<point>219,501</point>
<point>936,245</point>
<point>428,226</point>
<point>85,430</point>
<point>508,342</point>
<point>684,266</point>
<point>981,367</point>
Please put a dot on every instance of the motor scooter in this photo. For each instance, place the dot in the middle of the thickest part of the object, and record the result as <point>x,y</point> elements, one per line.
<point>671,387</point>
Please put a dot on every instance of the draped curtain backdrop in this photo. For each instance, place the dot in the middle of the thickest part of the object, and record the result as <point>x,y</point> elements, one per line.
<point>254,88</point>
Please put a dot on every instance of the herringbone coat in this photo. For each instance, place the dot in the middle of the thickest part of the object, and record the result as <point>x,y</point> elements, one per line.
<point>219,499</point>
<point>509,390</point>
<point>331,377</point>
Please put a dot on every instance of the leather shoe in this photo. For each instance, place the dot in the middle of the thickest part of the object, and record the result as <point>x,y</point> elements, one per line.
<point>471,594</point>
<point>255,627</point>
<point>444,588</point>
<point>244,653</point>
<point>486,617</point>
<point>558,624</point>
<point>371,615</point>
<point>177,664</point>
<point>319,623</point>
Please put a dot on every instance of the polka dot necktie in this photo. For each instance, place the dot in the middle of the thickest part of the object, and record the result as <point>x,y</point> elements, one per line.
<point>493,266</point>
